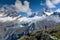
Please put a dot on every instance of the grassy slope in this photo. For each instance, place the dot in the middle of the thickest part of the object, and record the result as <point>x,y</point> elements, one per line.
<point>37,35</point>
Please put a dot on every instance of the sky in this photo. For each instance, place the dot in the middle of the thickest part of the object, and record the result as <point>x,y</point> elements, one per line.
<point>30,6</point>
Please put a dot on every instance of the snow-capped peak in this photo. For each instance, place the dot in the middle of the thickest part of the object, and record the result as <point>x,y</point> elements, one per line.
<point>48,12</point>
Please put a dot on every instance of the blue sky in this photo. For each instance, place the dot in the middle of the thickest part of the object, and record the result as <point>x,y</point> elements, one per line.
<point>35,4</point>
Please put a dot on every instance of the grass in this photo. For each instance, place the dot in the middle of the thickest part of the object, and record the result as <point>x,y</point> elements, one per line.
<point>50,33</point>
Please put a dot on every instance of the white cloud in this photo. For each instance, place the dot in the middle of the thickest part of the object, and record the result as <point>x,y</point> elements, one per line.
<point>33,19</point>
<point>54,18</point>
<point>55,1</point>
<point>23,8</point>
<point>58,10</point>
<point>5,19</point>
<point>50,4</point>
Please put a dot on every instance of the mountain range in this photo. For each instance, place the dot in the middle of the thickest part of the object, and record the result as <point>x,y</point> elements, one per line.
<point>12,24</point>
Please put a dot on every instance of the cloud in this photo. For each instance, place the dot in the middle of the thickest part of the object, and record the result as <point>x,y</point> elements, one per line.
<point>50,4</point>
<point>5,19</point>
<point>33,19</point>
<point>23,7</point>
<point>55,1</point>
<point>55,18</point>
<point>58,10</point>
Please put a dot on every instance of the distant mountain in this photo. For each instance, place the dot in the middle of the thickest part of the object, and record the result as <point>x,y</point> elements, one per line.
<point>44,11</point>
<point>56,13</point>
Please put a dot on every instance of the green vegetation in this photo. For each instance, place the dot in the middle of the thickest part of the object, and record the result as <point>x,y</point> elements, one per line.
<point>49,34</point>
